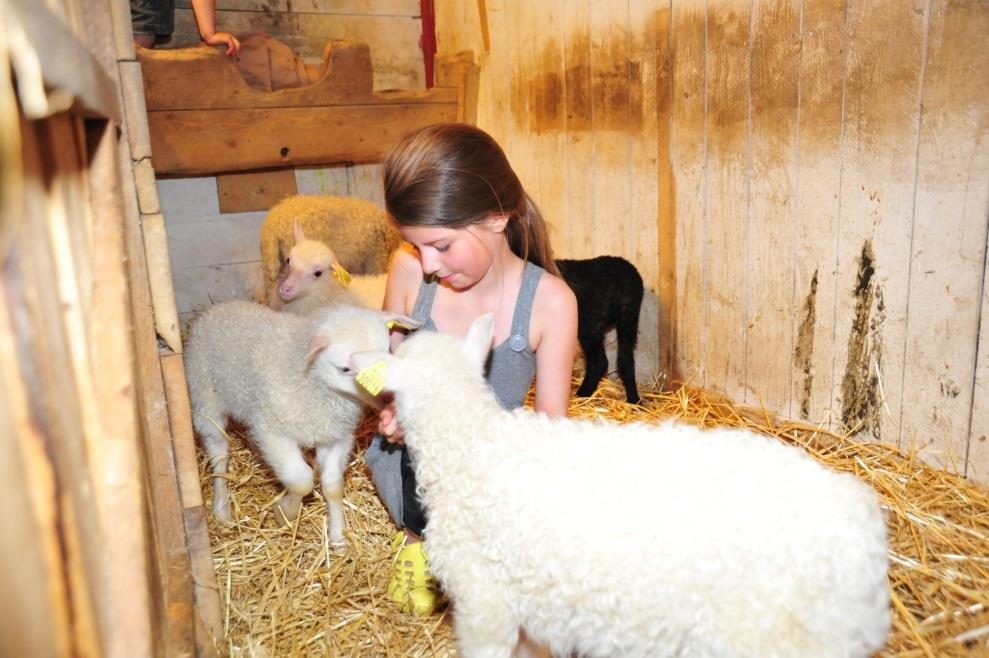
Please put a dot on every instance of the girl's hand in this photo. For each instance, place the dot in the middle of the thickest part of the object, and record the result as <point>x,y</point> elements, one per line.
<point>224,39</point>
<point>388,426</point>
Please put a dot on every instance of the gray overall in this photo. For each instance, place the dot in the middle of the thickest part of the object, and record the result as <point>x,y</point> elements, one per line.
<point>511,368</point>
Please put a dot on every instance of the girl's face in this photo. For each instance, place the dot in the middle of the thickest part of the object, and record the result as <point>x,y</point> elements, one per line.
<point>459,257</point>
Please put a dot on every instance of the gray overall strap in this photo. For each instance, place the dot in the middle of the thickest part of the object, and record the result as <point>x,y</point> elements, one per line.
<point>519,337</point>
<point>423,307</point>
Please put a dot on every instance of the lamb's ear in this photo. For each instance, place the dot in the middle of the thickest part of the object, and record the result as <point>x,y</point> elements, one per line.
<point>317,343</point>
<point>376,371</point>
<point>478,341</point>
<point>299,235</point>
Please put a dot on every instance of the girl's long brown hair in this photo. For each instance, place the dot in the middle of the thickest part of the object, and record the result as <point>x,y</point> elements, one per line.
<point>454,175</point>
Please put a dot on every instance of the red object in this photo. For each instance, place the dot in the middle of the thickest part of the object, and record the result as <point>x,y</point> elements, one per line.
<point>428,40</point>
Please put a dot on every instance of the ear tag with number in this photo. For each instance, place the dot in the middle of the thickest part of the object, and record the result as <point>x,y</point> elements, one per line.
<point>391,324</point>
<point>341,275</point>
<point>372,378</point>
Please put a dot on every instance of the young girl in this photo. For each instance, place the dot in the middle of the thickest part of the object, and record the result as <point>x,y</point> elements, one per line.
<point>478,245</point>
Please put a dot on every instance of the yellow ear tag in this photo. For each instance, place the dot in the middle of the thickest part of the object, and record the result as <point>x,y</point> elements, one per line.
<point>341,275</point>
<point>391,324</point>
<point>372,378</point>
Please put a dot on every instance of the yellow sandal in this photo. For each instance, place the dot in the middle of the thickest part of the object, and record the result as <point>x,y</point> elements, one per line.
<point>412,585</point>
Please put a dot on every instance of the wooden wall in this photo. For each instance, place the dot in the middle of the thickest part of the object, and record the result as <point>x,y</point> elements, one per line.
<point>803,185</point>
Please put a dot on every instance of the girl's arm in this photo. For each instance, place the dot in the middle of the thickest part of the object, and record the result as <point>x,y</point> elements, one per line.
<point>554,323</point>
<point>205,13</point>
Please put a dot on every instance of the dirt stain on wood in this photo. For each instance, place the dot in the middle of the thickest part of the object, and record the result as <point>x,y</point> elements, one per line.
<point>861,395</point>
<point>595,90</point>
<point>803,352</point>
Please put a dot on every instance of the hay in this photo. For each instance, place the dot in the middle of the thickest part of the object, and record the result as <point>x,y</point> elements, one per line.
<point>286,594</point>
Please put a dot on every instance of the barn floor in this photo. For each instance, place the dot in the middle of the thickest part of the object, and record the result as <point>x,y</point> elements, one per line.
<point>285,594</point>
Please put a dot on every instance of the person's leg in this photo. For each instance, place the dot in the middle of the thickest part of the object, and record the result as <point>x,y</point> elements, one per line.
<point>151,20</point>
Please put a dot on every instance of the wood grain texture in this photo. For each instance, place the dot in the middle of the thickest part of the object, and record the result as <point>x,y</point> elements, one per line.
<point>774,60</point>
<point>878,161</point>
<point>728,210</point>
<point>949,217</point>
<point>254,190</point>
<point>821,89</point>
<point>688,157</point>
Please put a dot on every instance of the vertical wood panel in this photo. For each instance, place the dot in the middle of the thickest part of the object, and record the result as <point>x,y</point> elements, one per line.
<point>688,155</point>
<point>949,218</point>
<point>977,464</point>
<point>774,62</point>
<point>579,147</point>
<point>549,125</point>
<point>648,32</point>
<point>822,75</point>
<point>885,54</point>
<point>666,243</point>
<point>610,93</point>
<point>727,195</point>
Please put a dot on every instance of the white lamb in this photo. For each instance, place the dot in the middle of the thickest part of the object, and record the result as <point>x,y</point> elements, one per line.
<point>291,381</point>
<point>613,540</point>
<point>358,229</point>
<point>313,277</point>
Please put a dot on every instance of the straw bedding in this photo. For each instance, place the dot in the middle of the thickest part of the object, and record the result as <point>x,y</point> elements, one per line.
<point>286,594</point>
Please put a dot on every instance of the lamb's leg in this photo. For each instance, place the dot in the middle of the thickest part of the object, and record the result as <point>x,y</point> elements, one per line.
<point>332,460</point>
<point>484,629</point>
<point>626,368</point>
<point>595,364</point>
<point>286,460</point>
<point>209,422</point>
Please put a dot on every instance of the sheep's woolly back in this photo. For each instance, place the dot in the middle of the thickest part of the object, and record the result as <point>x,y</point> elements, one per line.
<point>359,231</point>
<point>604,539</point>
<point>249,362</point>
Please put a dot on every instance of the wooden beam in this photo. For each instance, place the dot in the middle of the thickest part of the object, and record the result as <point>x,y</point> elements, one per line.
<point>205,142</point>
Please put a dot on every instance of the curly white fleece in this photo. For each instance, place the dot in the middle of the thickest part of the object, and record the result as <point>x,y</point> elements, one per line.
<point>609,540</point>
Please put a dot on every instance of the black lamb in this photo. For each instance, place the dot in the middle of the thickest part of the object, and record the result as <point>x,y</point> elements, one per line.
<point>609,294</point>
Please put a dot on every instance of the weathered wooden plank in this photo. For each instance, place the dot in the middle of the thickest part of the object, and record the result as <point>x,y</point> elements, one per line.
<point>688,157</point>
<point>45,354</point>
<point>612,85</point>
<point>580,142</point>
<point>407,8</point>
<point>950,215</point>
<point>459,72</point>
<point>885,53</point>
<point>822,75</point>
<point>168,76</point>
<point>774,61</point>
<point>180,421</point>
<point>209,609</point>
<point>977,464</point>
<point>173,618</point>
<point>254,190</point>
<point>31,537</point>
<point>728,210</point>
<point>666,230</point>
<point>648,34</point>
<point>160,281</point>
<point>188,143</point>
<point>547,127</point>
